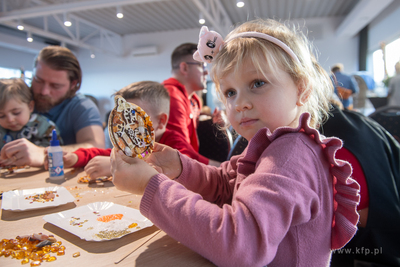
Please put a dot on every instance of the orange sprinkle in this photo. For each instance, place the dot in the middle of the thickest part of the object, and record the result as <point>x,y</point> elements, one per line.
<point>111,217</point>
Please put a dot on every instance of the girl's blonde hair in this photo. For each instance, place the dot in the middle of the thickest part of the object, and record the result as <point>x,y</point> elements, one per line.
<point>315,86</point>
<point>14,88</point>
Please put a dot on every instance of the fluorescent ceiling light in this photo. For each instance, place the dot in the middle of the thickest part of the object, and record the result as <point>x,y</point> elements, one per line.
<point>20,26</point>
<point>120,15</point>
<point>29,37</point>
<point>201,19</point>
<point>67,21</point>
<point>239,3</point>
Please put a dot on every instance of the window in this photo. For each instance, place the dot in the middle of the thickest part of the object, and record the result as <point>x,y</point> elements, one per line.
<point>379,71</point>
<point>6,73</point>
<point>392,55</point>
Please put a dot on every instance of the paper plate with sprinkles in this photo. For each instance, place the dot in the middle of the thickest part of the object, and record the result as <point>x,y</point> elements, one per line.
<point>38,198</point>
<point>100,221</point>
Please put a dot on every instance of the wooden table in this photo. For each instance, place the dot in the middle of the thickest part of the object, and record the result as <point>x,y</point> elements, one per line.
<point>161,250</point>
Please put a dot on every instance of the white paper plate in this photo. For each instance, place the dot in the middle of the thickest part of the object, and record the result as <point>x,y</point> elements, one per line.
<point>17,200</point>
<point>83,221</point>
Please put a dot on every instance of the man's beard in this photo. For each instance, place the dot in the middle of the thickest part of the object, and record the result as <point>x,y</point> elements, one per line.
<point>44,103</point>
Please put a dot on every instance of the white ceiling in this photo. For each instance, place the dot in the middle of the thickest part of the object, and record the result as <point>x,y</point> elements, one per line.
<point>96,19</point>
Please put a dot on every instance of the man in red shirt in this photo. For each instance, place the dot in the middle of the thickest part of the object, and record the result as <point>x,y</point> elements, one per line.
<point>188,76</point>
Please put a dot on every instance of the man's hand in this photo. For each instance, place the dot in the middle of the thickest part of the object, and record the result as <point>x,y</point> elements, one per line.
<point>22,152</point>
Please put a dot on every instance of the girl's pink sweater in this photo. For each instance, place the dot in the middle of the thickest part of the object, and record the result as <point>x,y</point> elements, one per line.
<point>273,204</point>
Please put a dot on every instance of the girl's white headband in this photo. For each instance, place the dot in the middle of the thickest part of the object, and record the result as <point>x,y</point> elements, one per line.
<point>211,42</point>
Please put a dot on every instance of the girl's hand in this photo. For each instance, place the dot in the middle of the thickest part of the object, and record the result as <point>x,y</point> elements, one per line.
<point>98,166</point>
<point>165,160</point>
<point>130,174</point>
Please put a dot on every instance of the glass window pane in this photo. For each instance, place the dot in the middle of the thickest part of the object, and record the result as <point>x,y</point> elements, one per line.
<point>379,71</point>
<point>392,56</point>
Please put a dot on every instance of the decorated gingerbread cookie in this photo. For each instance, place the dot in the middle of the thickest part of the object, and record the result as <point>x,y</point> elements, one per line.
<point>131,129</point>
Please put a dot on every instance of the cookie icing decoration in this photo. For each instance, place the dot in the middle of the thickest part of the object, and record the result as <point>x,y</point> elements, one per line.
<point>131,129</point>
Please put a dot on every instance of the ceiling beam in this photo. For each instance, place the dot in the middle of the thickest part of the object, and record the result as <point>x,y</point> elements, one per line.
<point>226,20</point>
<point>215,20</point>
<point>59,38</point>
<point>78,21</point>
<point>73,40</point>
<point>45,10</point>
<point>360,16</point>
<point>84,21</point>
<point>20,44</point>
<point>207,15</point>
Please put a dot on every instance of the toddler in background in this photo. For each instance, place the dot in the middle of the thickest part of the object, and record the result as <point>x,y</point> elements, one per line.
<point>286,200</point>
<point>16,117</point>
<point>153,98</point>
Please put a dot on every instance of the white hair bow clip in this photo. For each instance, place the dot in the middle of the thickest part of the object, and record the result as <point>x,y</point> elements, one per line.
<point>210,42</point>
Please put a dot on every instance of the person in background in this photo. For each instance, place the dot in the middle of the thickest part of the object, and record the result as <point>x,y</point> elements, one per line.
<point>17,119</point>
<point>56,79</point>
<point>345,82</point>
<point>273,204</point>
<point>153,98</point>
<point>188,76</point>
<point>394,87</point>
<point>376,167</point>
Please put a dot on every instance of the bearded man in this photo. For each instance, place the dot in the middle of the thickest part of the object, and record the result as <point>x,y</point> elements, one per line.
<point>57,78</point>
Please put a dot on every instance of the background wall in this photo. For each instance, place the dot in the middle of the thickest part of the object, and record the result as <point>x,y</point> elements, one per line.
<point>14,59</point>
<point>386,27</point>
<point>105,73</point>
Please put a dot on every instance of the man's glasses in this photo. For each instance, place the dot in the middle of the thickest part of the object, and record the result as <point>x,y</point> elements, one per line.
<point>198,63</point>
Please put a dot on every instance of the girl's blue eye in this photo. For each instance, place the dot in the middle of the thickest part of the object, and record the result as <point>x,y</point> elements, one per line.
<point>229,93</point>
<point>258,83</point>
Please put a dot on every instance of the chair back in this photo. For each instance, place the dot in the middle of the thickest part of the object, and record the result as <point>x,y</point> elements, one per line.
<point>238,146</point>
<point>214,143</point>
<point>379,102</point>
<point>389,118</point>
<point>359,99</point>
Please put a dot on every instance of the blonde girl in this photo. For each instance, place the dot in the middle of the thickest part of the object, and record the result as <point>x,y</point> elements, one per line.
<point>286,200</point>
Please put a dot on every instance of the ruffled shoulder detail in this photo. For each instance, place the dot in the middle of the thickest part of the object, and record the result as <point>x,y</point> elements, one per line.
<point>345,189</point>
